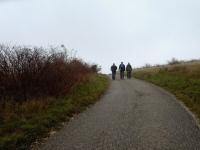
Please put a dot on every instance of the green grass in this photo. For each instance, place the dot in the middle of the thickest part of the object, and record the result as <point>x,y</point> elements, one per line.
<point>182,80</point>
<point>21,130</point>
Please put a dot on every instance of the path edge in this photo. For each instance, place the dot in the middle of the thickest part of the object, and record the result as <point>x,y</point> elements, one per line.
<point>179,102</point>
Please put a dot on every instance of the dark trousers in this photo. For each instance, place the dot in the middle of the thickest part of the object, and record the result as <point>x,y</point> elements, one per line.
<point>128,74</point>
<point>113,75</point>
<point>121,74</point>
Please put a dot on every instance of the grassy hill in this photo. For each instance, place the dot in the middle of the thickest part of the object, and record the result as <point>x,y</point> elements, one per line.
<point>183,80</point>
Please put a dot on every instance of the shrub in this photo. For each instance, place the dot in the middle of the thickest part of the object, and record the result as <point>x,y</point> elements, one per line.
<point>174,61</point>
<point>27,73</point>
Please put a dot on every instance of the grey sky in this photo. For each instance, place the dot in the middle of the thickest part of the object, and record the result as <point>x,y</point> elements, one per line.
<point>106,31</point>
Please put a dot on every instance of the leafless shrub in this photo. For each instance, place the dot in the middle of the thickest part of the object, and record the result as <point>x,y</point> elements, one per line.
<point>174,61</point>
<point>27,73</point>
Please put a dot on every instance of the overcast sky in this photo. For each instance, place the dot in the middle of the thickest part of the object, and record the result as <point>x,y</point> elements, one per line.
<point>106,31</point>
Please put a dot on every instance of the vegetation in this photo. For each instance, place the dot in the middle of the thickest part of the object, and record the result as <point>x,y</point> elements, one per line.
<point>174,61</point>
<point>181,79</point>
<point>27,73</point>
<point>39,89</point>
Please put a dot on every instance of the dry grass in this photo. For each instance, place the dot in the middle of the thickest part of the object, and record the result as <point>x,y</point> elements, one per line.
<point>10,110</point>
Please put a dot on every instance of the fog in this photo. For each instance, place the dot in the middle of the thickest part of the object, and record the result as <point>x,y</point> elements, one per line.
<point>106,31</point>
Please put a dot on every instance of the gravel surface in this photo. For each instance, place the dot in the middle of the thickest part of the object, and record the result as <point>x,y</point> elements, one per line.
<point>132,115</point>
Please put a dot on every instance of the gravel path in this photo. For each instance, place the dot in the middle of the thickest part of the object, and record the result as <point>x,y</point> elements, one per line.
<point>133,115</point>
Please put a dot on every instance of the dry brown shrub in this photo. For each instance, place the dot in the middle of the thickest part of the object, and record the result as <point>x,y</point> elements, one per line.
<point>31,73</point>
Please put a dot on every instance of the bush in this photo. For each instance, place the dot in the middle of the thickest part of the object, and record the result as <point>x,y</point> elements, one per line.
<point>174,61</point>
<point>27,73</point>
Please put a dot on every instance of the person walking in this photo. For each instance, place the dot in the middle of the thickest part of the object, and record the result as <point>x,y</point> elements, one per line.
<point>128,70</point>
<point>113,69</point>
<point>121,69</point>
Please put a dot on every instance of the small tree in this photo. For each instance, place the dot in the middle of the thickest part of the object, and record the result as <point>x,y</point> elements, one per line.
<point>173,61</point>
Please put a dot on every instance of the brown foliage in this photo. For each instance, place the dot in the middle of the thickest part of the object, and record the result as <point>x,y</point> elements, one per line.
<point>27,73</point>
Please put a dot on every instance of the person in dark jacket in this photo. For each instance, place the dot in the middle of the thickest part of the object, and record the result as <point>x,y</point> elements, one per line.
<point>113,69</point>
<point>128,70</point>
<point>121,69</point>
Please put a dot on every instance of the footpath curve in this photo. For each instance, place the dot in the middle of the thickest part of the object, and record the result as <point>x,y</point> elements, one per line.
<point>132,115</point>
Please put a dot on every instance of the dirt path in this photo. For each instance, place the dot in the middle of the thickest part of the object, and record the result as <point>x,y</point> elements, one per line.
<point>132,115</point>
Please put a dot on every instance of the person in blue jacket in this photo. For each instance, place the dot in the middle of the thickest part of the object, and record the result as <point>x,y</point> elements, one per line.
<point>121,69</point>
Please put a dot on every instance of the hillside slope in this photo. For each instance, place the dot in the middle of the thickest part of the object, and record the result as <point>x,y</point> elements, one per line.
<point>183,80</point>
